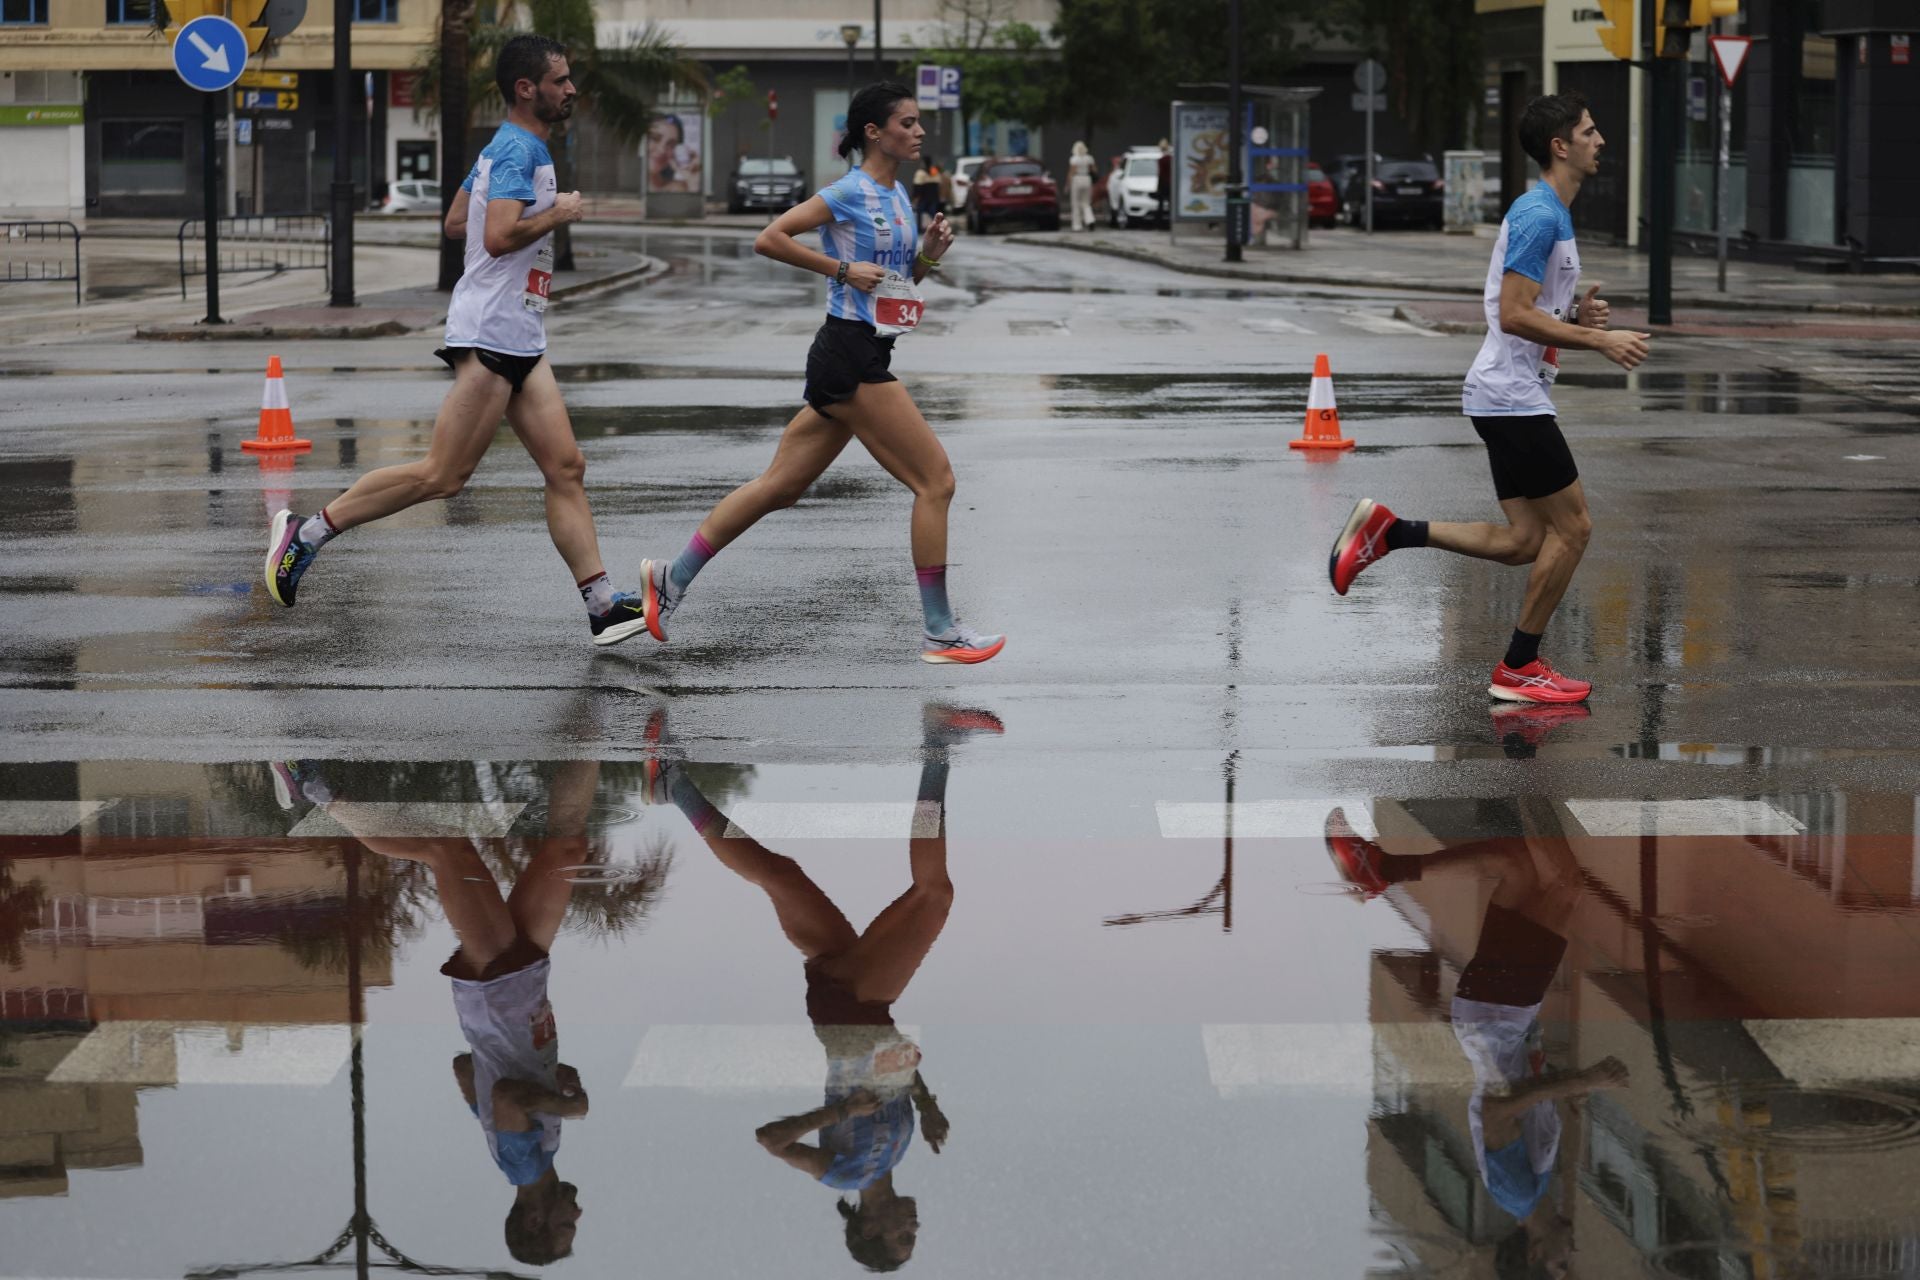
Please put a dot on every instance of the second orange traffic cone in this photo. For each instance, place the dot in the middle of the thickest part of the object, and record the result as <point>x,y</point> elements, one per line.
<point>276,416</point>
<point>1323,415</point>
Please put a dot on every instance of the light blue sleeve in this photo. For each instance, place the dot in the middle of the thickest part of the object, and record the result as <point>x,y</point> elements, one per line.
<point>472,173</point>
<point>844,199</point>
<point>512,176</point>
<point>1531,233</point>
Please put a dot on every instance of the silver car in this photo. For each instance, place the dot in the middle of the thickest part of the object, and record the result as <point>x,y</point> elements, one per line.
<point>412,195</point>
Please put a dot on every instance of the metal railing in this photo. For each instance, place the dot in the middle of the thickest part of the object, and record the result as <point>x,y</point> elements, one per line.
<point>29,260</point>
<point>269,242</point>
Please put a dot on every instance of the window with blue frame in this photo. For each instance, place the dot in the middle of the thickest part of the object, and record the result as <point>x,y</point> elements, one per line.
<point>376,10</point>
<point>129,13</point>
<point>23,13</point>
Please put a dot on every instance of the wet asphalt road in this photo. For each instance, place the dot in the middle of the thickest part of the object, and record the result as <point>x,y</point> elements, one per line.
<point>1166,1040</point>
<point>1127,512</point>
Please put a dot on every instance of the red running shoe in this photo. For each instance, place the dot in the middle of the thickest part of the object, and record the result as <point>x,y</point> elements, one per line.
<point>1361,542</point>
<point>1536,682</point>
<point>1357,857</point>
<point>1531,722</point>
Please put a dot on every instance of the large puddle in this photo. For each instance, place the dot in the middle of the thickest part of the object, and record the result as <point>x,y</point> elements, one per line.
<point>484,1017</point>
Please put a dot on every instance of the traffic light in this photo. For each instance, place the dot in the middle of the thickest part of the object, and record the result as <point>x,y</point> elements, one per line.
<point>1617,37</point>
<point>1671,35</point>
<point>1705,11</point>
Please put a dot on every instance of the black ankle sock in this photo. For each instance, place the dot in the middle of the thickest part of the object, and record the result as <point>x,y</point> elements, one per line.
<point>1522,649</point>
<point>1406,533</point>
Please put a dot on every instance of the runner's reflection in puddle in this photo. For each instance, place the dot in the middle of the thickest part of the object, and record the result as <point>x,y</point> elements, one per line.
<point>511,1076</point>
<point>874,1086</point>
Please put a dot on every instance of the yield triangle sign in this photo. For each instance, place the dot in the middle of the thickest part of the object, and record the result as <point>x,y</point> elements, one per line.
<point>1730,52</point>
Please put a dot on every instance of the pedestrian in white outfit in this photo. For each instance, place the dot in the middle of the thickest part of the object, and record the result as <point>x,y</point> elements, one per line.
<point>1080,170</point>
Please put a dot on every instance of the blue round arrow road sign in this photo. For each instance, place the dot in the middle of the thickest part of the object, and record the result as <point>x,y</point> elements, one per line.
<point>210,53</point>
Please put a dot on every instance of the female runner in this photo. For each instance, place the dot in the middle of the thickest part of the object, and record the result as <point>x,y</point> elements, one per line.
<point>866,223</point>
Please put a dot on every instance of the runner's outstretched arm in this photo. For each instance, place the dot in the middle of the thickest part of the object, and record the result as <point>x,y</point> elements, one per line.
<point>777,242</point>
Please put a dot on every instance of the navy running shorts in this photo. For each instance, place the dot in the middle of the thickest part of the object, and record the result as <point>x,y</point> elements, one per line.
<point>513,368</point>
<point>845,353</point>
<point>1529,456</point>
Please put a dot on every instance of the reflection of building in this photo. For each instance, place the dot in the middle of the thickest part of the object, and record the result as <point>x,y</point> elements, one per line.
<point>140,935</point>
<point>1819,153</point>
<point>1746,1136</point>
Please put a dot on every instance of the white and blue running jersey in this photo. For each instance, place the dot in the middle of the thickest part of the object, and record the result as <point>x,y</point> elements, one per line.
<point>1512,377</point>
<point>870,224</point>
<point>501,303</point>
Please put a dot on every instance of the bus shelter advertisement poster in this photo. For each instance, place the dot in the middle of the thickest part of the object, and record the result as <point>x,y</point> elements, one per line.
<point>1199,161</point>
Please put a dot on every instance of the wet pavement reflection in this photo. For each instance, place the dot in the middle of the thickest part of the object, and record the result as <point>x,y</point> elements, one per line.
<point>486,1017</point>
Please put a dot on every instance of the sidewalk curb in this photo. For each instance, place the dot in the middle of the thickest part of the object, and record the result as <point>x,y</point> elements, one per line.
<point>389,328</point>
<point>1699,302</point>
<point>1417,320</point>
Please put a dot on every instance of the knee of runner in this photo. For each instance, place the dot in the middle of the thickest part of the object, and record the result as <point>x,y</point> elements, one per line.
<point>568,470</point>
<point>939,486</point>
<point>440,483</point>
<point>1526,548</point>
<point>1578,530</point>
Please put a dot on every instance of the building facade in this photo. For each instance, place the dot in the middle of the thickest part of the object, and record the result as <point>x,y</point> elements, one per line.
<point>93,119</point>
<point>1824,116</point>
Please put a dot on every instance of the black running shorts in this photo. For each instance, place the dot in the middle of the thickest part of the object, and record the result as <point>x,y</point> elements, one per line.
<point>513,368</point>
<point>845,353</point>
<point>1514,963</point>
<point>1529,456</point>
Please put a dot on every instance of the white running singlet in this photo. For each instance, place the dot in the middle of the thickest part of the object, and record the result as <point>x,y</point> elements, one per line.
<point>870,225</point>
<point>501,303</point>
<point>510,1027</point>
<point>1512,377</point>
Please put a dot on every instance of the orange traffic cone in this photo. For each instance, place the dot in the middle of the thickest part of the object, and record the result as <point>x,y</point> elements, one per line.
<point>1323,416</point>
<point>276,418</point>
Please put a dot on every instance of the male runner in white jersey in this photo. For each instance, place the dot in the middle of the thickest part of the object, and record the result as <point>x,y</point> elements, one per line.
<point>496,344</point>
<point>1531,314</point>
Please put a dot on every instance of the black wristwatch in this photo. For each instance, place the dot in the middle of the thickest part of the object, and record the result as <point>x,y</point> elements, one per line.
<point>840,276</point>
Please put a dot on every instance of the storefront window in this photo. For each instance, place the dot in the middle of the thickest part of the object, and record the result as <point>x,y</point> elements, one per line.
<point>376,10</point>
<point>123,13</point>
<point>143,157</point>
<point>1810,163</point>
<point>23,13</point>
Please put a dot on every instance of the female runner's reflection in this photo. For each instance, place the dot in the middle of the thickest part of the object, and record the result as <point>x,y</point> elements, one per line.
<point>873,1082</point>
<point>1512,1115</point>
<point>511,1076</point>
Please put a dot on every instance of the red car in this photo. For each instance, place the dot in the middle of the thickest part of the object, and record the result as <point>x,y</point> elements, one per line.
<point>1009,187</point>
<point>1323,203</point>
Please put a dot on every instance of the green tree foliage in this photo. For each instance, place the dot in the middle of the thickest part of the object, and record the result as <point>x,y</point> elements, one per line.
<point>1007,69</point>
<point>1431,50</point>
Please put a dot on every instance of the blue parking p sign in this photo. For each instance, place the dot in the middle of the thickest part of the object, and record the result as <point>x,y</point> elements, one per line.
<point>210,53</point>
<point>950,88</point>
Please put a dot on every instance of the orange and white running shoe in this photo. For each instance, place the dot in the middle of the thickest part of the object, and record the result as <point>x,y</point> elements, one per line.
<point>1361,542</point>
<point>957,644</point>
<point>1357,857</point>
<point>1536,682</point>
<point>659,599</point>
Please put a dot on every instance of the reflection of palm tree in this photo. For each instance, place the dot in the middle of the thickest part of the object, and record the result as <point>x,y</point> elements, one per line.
<point>619,85</point>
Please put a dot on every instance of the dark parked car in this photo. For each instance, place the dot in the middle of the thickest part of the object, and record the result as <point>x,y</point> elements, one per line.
<point>1405,192</point>
<point>766,184</point>
<point>1009,187</point>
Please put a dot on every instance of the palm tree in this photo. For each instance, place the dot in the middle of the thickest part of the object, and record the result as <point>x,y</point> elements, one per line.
<point>619,85</point>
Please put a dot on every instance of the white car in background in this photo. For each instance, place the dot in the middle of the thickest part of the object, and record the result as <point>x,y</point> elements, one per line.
<point>412,195</point>
<point>1137,202</point>
<point>963,170</point>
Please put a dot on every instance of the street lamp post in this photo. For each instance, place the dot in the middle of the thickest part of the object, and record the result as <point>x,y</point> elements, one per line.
<point>1236,135</point>
<point>850,32</point>
<point>876,39</point>
<point>340,194</point>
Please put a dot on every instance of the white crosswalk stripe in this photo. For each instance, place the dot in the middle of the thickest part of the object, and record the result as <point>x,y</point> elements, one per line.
<point>1720,816</point>
<point>764,1057</point>
<point>1259,819</point>
<point>166,1053</point>
<point>833,820</point>
<point>409,818</point>
<point>47,817</point>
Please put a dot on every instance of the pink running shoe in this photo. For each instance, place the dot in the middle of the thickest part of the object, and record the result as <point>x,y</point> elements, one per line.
<point>1362,542</point>
<point>1536,682</point>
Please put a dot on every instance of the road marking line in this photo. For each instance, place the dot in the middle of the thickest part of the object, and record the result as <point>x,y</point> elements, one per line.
<point>1275,325</point>
<point>47,817</point>
<point>833,820</point>
<point>1817,1052</point>
<point>1718,816</point>
<point>162,1053</point>
<point>1386,326</point>
<point>1260,819</point>
<point>409,818</point>
<point>764,1057</point>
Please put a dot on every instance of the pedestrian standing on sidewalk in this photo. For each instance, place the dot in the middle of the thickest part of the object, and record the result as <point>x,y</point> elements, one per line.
<point>1531,314</point>
<point>874,257</point>
<point>1080,171</point>
<point>926,192</point>
<point>496,344</point>
<point>1163,189</point>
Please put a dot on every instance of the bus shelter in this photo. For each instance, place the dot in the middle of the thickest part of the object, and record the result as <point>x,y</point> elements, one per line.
<point>1273,155</point>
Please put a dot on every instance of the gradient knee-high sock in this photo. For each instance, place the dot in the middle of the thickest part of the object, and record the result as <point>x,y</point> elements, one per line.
<point>933,599</point>
<point>706,819</point>
<point>930,811</point>
<point>689,562</point>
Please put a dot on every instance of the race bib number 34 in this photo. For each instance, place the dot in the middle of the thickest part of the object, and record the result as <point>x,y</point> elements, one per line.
<point>897,306</point>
